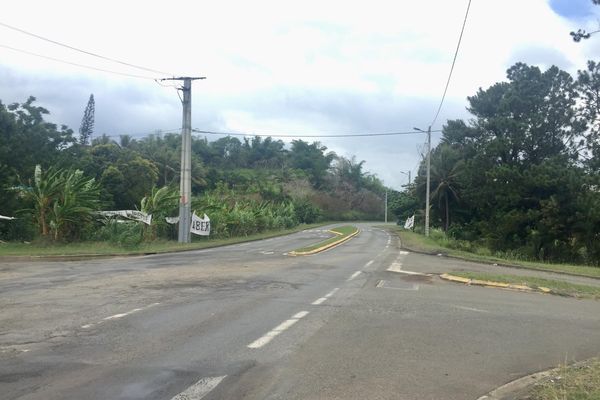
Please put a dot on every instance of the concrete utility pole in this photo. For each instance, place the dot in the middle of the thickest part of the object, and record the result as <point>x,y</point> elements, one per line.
<point>428,177</point>
<point>386,206</point>
<point>428,180</point>
<point>185,178</point>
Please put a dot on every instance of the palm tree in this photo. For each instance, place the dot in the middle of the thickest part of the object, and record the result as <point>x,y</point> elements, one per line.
<point>41,193</point>
<point>72,208</point>
<point>160,203</point>
<point>446,167</point>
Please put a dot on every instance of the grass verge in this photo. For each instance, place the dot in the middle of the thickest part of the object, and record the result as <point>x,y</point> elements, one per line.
<point>160,246</point>
<point>556,287</point>
<point>576,382</point>
<point>342,233</point>
<point>417,242</point>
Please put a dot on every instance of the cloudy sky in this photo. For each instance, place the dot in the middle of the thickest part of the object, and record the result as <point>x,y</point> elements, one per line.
<point>279,67</point>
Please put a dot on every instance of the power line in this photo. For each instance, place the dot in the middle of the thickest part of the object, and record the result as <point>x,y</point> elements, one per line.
<point>75,64</point>
<point>453,62</point>
<point>84,51</point>
<point>311,136</point>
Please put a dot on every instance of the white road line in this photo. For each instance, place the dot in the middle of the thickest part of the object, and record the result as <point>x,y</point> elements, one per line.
<point>354,275</point>
<point>369,263</point>
<point>403,253</point>
<point>118,316</point>
<point>260,342</point>
<point>470,309</point>
<point>397,267</point>
<point>200,389</point>
<point>320,300</point>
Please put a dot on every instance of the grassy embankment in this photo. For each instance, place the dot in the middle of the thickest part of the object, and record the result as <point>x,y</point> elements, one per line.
<point>418,242</point>
<point>159,246</point>
<point>576,382</point>
<point>556,287</point>
<point>341,232</point>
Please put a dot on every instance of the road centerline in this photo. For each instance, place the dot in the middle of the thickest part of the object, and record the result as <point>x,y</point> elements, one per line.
<point>354,275</point>
<point>285,325</point>
<point>200,389</point>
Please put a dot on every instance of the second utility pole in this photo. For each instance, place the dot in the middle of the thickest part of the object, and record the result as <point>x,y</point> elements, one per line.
<point>428,180</point>
<point>185,177</point>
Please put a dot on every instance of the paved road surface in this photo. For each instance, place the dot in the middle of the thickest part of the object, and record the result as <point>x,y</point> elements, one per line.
<point>248,322</point>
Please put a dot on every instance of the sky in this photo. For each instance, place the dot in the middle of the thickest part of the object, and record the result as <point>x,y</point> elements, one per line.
<point>292,68</point>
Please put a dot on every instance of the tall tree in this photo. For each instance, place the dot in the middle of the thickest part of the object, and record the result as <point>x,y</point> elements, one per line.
<point>87,122</point>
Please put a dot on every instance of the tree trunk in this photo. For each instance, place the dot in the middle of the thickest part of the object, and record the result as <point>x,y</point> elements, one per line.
<point>447,215</point>
<point>43,222</point>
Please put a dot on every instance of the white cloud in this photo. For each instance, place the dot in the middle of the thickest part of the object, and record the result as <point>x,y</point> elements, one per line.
<point>274,66</point>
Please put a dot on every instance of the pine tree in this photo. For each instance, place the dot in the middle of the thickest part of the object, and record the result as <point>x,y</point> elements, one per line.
<point>87,123</point>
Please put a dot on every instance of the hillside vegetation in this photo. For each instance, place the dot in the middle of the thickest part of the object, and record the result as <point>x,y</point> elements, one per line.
<point>54,180</point>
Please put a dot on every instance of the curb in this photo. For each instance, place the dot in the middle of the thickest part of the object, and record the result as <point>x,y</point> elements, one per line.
<point>326,247</point>
<point>519,387</point>
<point>511,389</point>
<point>80,257</point>
<point>467,281</point>
<point>493,263</point>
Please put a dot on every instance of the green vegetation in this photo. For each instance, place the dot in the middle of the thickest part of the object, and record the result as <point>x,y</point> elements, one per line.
<point>157,246</point>
<point>342,232</point>
<point>520,179</point>
<point>438,243</point>
<point>557,287</point>
<point>576,382</point>
<point>54,183</point>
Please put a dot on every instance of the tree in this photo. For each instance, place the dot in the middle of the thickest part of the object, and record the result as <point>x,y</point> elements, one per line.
<point>42,193</point>
<point>446,167</point>
<point>312,159</point>
<point>87,122</point>
<point>160,203</point>
<point>72,209</point>
<point>62,200</point>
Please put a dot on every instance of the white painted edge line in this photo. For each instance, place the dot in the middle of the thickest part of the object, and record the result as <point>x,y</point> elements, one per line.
<point>328,295</point>
<point>369,263</point>
<point>354,275</point>
<point>263,340</point>
<point>200,389</point>
<point>404,253</point>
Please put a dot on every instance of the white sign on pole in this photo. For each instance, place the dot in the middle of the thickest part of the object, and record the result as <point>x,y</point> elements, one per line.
<point>200,226</point>
<point>410,222</point>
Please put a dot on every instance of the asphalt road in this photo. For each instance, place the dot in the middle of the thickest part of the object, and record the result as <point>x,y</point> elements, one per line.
<point>249,322</point>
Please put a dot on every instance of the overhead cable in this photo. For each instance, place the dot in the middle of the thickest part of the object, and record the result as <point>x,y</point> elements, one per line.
<point>453,62</point>
<point>89,53</point>
<point>75,64</point>
<point>324,135</point>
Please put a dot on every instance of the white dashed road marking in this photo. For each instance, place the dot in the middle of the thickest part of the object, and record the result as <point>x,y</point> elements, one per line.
<point>260,342</point>
<point>118,316</point>
<point>369,263</point>
<point>199,389</point>
<point>322,299</point>
<point>354,275</point>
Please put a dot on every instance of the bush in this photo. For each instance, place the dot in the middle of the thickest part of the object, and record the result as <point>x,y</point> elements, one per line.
<point>127,234</point>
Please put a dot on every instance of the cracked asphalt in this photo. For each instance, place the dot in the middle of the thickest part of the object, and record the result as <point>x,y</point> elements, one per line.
<point>248,322</point>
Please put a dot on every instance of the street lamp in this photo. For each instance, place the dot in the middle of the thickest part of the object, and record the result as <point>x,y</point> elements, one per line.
<point>406,173</point>
<point>428,177</point>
